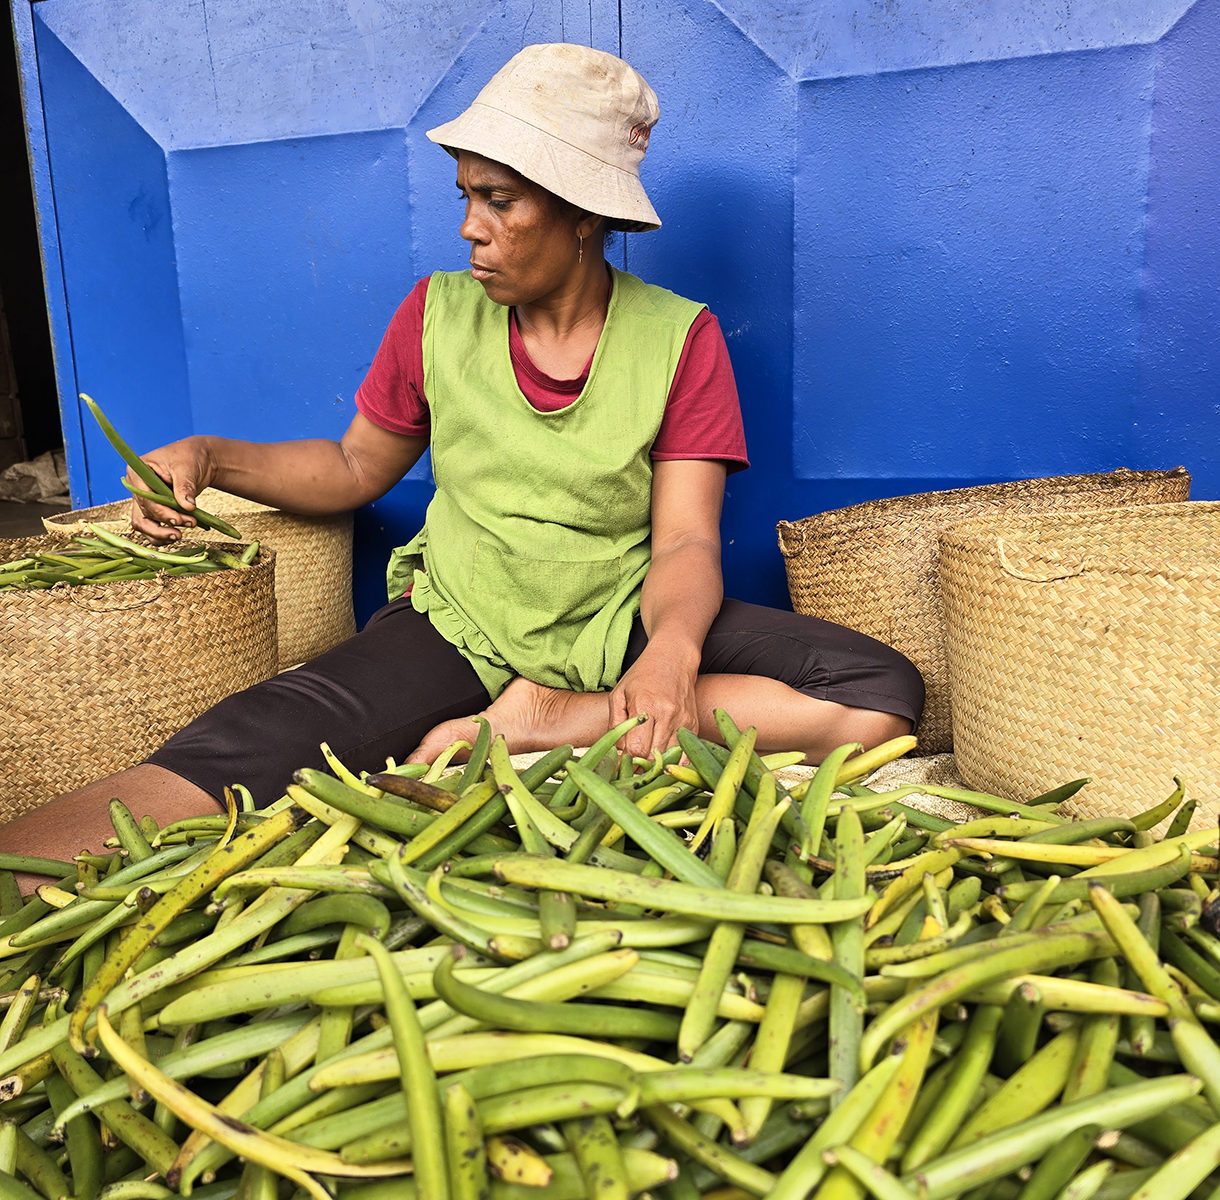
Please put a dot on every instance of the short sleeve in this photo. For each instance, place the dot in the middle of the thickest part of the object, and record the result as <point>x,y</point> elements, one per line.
<point>703,415</point>
<point>392,394</point>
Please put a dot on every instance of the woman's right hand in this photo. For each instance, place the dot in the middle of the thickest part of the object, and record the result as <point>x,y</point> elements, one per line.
<point>313,476</point>
<point>187,466</point>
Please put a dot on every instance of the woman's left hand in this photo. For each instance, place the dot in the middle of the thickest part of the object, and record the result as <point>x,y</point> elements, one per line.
<point>660,683</point>
<point>679,601</point>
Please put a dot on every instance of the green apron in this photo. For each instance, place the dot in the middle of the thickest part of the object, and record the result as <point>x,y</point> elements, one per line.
<point>537,541</point>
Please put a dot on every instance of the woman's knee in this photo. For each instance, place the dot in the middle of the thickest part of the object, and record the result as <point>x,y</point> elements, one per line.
<point>871,727</point>
<point>878,683</point>
<point>821,660</point>
<point>907,686</point>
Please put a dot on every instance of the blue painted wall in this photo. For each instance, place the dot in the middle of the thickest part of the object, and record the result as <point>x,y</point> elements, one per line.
<point>947,243</point>
<point>1179,377</point>
<point>952,266</point>
<point>117,246</point>
<point>285,299</point>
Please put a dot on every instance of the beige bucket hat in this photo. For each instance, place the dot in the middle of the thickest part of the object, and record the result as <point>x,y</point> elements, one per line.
<point>574,120</point>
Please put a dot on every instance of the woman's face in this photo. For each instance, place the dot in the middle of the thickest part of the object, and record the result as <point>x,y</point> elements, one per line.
<point>524,240</point>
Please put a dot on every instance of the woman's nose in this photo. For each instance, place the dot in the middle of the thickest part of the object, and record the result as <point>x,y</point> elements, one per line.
<point>471,229</point>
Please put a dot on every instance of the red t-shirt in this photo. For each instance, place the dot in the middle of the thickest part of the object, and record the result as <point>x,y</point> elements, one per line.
<point>702,414</point>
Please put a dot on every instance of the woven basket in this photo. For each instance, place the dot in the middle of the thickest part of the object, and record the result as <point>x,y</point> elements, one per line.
<point>313,575</point>
<point>872,567</point>
<point>97,677</point>
<point>1086,644</point>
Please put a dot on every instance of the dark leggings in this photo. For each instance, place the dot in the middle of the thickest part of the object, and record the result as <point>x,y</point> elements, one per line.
<point>380,692</point>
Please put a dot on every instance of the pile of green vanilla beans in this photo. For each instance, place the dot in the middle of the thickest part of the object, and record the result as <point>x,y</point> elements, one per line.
<point>603,977</point>
<point>108,557</point>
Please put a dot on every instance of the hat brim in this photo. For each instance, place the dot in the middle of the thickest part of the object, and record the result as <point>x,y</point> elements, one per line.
<point>552,163</point>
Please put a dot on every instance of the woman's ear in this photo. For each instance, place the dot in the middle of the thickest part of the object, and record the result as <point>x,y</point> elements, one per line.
<point>590,225</point>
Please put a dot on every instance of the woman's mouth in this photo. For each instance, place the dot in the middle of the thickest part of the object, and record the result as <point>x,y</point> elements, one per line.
<point>479,272</point>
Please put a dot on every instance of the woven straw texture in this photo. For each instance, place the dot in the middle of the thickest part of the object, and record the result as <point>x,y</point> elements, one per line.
<point>1086,644</point>
<point>313,573</point>
<point>872,567</point>
<point>97,677</point>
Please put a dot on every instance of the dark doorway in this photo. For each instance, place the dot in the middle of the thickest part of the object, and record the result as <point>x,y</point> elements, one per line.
<point>22,293</point>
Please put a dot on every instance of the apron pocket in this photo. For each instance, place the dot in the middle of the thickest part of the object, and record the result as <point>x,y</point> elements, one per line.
<point>538,605</point>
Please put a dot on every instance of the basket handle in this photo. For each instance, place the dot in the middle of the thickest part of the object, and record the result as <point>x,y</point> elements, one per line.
<point>785,530</point>
<point>1066,572</point>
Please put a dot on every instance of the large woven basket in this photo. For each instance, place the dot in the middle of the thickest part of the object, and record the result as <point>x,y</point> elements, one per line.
<point>1086,644</point>
<point>313,574</point>
<point>872,567</point>
<point>97,677</point>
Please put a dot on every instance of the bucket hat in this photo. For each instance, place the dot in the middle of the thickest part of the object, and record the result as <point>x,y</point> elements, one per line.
<point>574,120</point>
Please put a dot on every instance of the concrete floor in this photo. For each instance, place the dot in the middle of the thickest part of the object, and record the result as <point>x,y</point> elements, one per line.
<point>24,520</point>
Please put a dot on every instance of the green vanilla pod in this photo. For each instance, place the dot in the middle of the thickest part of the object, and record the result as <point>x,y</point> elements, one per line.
<point>598,1020</point>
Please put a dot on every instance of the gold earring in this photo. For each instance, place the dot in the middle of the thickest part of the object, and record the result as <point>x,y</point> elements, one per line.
<point>580,256</point>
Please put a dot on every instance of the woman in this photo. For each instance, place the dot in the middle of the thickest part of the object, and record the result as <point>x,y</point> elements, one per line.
<point>581,425</point>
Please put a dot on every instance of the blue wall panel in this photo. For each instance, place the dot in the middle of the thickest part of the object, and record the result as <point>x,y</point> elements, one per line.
<point>285,298</point>
<point>306,256</point>
<point>228,72</point>
<point>1177,414</point>
<point>969,249</point>
<point>947,243</point>
<point>112,208</point>
<point>837,39</point>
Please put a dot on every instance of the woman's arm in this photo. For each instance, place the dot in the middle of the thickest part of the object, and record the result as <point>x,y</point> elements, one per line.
<point>680,599</point>
<point>313,476</point>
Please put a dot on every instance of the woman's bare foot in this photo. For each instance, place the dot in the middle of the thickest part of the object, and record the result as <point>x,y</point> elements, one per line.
<point>530,717</point>
<point>533,717</point>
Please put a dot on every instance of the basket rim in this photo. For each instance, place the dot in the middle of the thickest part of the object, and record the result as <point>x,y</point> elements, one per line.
<point>987,532</point>
<point>217,505</point>
<point>93,512</point>
<point>919,506</point>
<point>245,510</point>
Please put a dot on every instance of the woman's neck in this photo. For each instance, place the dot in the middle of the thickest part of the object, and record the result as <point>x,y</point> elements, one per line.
<point>560,331</point>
